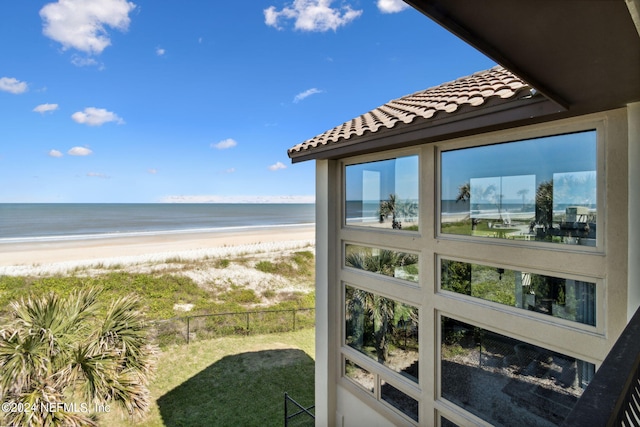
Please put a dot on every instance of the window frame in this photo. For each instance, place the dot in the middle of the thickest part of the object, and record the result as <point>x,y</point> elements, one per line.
<point>519,312</point>
<point>372,158</point>
<point>597,264</point>
<point>518,135</point>
<point>377,276</point>
<point>413,389</point>
<point>440,401</point>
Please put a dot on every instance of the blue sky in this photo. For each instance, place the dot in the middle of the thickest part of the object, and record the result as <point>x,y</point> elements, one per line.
<point>190,100</point>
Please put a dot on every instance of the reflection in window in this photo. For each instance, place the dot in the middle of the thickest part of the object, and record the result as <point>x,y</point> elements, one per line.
<point>383,329</point>
<point>383,194</point>
<point>446,423</point>
<point>506,381</point>
<point>540,189</point>
<point>382,261</point>
<point>564,298</point>
<point>399,400</point>
<point>359,375</point>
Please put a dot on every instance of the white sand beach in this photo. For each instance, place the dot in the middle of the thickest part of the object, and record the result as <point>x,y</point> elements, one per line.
<point>52,257</point>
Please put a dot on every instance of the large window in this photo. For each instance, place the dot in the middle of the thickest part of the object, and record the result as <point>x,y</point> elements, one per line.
<point>383,329</point>
<point>563,298</point>
<point>506,285</point>
<point>540,189</point>
<point>383,194</point>
<point>506,381</point>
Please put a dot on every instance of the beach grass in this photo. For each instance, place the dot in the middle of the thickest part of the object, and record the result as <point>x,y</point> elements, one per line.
<point>206,286</point>
<point>230,381</point>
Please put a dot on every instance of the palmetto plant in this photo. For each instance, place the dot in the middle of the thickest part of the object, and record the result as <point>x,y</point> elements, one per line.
<point>383,315</point>
<point>59,357</point>
<point>378,316</point>
<point>384,262</point>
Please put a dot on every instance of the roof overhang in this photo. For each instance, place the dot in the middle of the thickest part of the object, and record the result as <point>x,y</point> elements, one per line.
<point>492,116</point>
<point>577,57</point>
<point>584,55</point>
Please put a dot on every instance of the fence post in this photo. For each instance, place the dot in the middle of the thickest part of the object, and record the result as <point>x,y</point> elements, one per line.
<point>294,319</point>
<point>247,323</point>
<point>188,330</point>
<point>286,415</point>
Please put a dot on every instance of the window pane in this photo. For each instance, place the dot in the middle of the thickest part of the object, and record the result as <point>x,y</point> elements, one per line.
<point>540,189</point>
<point>383,329</point>
<point>359,375</point>
<point>399,400</point>
<point>564,298</point>
<point>506,381</point>
<point>446,423</point>
<point>383,194</point>
<point>382,261</point>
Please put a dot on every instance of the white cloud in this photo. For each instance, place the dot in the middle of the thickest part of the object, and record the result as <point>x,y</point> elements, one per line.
<point>45,108</point>
<point>237,199</point>
<point>97,175</point>
<point>160,51</point>
<point>81,61</point>
<point>96,117</point>
<point>311,15</point>
<point>307,93</point>
<point>79,151</point>
<point>224,144</point>
<point>55,153</point>
<point>81,24</point>
<point>277,166</point>
<point>11,85</point>
<point>230,170</point>
<point>152,171</point>
<point>391,6</point>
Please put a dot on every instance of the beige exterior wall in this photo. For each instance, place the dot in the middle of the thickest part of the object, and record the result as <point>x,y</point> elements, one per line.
<point>325,373</point>
<point>353,412</point>
<point>613,265</point>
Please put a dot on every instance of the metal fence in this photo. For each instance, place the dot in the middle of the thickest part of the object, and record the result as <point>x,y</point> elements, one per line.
<point>206,326</point>
<point>297,415</point>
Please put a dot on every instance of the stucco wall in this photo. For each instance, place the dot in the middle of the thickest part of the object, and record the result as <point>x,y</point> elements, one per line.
<point>352,412</point>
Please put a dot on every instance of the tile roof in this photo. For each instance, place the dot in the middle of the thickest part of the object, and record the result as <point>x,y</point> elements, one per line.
<point>448,98</point>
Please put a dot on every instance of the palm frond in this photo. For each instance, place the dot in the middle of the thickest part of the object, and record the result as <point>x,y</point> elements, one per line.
<point>53,347</point>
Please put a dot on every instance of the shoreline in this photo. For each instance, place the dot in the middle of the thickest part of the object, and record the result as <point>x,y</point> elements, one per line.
<point>138,248</point>
<point>102,236</point>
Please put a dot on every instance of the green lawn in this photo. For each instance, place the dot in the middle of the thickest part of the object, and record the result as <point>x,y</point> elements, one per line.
<point>232,381</point>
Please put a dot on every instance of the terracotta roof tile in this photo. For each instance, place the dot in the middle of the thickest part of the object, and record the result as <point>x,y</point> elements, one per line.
<point>471,91</point>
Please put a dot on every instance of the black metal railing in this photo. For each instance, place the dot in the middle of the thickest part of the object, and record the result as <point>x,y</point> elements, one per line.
<point>613,396</point>
<point>205,326</point>
<point>301,417</point>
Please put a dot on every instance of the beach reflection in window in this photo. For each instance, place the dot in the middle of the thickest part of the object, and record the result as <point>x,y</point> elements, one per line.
<point>541,189</point>
<point>383,194</point>
<point>568,299</point>
<point>383,329</point>
<point>506,381</point>
<point>387,262</point>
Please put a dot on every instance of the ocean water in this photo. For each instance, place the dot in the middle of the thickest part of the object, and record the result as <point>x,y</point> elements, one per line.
<point>25,222</point>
